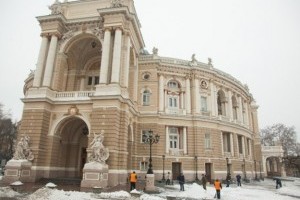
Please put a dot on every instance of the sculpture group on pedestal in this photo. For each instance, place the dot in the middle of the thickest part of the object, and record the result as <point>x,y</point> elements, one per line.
<point>99,152</point>
<point>23,151</point>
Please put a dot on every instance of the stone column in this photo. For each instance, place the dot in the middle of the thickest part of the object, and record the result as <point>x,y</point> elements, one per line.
<point>243,145</point>
<point>181,100</point>
<point>197,99</point>
<point>50,61</point>
<point>250,148</point>
<point>222,145</point>
<point>161,93</point>
<point>40,63</point>
<point>116,63</point>
<point>246,114</point>
<point>167,140</point>
<point>184,141</point>
<point>213,100</point>
<point>230,106</point>
<point>127,61</point>
<point>82,83</point>
<point>231,144</point>
<point>240,113</point>
<point>188,95</point>
<point>105,57</point>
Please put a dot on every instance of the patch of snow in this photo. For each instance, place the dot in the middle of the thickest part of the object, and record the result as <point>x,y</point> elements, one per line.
<point>17,183</point>
<point>135,192</point>
<point>50,185</point>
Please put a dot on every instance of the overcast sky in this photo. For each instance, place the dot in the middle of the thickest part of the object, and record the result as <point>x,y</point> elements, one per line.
<point>257,42</point>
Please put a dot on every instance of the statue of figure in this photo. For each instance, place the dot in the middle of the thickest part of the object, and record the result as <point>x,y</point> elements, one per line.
<point>209,61</point>
<point>194,58</point>
<point>116,3</point>
<point>23,151</point>
<point>155,51</point>
<point>99,152</point>
<point>56,8</point>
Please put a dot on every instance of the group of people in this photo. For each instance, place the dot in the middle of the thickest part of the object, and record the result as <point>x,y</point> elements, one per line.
<point>181,180</point>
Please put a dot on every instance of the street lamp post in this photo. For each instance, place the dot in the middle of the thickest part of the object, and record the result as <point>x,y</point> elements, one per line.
<point>255,169</point>
<point>196,167</point>
<point>260,176</point>
<point>227,165</point>
<point>163,176</point>
<point>150,139</point>
<point>245,174</point>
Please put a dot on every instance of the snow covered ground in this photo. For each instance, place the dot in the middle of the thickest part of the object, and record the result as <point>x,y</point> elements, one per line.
<point>263,190</point>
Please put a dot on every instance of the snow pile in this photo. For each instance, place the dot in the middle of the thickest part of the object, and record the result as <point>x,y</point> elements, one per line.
<point>7,192</point>
<point>114,195</point>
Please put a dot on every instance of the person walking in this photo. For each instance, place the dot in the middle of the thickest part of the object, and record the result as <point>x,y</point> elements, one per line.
<point>238,180</point>
<point>181,181</point>
<point>204,181</point>
<point>278,183</point>
<point>218,187</point>
<point>228,179</point>
<point>168,179</point>
<point>133,180</point>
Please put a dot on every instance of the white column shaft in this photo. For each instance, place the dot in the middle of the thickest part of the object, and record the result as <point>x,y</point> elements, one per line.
<point>184,141</point>
<point>243,145</point>
<point>240,114</point>
<point>167,140</point>
<point>161,93</point>
<point>127,62</point>
<point>231,144</point>
<point>40,63</point>
<point>105,58</point>
<point>188,96</point>
<point>50,61</point>
<point>197,96</point>
<point>116,63</point>
<point>82,83</point>
<point>230,105</point>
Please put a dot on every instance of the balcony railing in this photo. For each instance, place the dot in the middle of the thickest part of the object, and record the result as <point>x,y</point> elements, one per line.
<point>176,152</point>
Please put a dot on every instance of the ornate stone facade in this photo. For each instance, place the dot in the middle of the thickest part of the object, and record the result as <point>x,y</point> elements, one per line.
<point>94,75</point>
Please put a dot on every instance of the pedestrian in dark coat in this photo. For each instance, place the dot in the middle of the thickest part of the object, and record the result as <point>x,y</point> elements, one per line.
<point>228,179</point>
<point>204,180</point>
<point>278,183</point>
<point>181,181</point>
<point>238,180</point>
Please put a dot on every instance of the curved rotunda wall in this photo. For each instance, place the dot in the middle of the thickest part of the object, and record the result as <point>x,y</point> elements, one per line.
<point>220,129</point>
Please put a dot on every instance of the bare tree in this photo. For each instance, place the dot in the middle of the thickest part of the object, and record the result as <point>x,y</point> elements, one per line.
<point>279,134</point>
<point>8,132</point>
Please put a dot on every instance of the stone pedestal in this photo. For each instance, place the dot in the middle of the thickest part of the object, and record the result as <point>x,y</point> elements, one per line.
<point>18,170</point>
<point>95,174</point>
<point>150,183</point>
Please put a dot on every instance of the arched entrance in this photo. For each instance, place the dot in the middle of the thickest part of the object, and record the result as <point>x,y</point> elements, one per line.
<point>273,166</point>
<point>71,154</point>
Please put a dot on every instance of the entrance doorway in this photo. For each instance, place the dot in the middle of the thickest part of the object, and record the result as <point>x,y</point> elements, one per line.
<point>208,171</point>
<point>70,155</point>
<point>176,170</point>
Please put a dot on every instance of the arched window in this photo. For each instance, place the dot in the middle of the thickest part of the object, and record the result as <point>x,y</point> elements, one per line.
<point>173,84</point>
<point>146,98</point>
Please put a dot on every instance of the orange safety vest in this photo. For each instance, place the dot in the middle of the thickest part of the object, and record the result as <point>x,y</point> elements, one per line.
<point>217,185</point>
<point>133,178</point>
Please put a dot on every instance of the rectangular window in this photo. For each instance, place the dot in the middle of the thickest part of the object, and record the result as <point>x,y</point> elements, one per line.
<point>207,141</point>
<point>144,132</point>
<point>226,142</point>
<point>173,138</point>
<point>204,104</point>
<point>173,102</point>
<point>240,144</point>
<point>146,99</point>
<point>96,82</point>
<point>90,80</point>
<point>143,166</point>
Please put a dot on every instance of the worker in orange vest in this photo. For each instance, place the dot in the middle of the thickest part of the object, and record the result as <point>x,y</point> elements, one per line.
<point>218,187</point>
<point>132,179</point>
